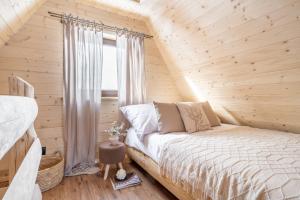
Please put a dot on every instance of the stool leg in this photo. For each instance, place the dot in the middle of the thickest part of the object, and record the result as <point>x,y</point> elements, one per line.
<point>120,165</point>
<point>101,165</point>
<point>106,172</point>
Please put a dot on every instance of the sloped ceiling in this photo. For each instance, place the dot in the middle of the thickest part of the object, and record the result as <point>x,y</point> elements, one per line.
<point>13,14</point>
<point>241,55</point>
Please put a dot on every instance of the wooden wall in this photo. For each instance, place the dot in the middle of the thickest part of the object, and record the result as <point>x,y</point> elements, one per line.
<point>242,55</point>
<point>13,15</point>
<point>35,53</point>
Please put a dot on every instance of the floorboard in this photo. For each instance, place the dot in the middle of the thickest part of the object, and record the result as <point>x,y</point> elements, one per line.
<point>93,187</point>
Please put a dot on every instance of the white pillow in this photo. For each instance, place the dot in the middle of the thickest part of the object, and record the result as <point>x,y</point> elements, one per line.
<point>142,118</point>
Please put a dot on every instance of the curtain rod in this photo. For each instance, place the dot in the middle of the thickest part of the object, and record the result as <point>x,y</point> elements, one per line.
<point>107,27</point>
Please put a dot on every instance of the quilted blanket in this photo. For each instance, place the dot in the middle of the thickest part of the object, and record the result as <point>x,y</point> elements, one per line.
<point>238,163</point>
<point>16,115</point>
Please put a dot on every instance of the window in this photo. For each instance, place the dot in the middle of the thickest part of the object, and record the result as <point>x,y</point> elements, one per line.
<point>109,70</point>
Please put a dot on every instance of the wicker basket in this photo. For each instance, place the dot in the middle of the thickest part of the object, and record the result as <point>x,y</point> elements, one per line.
<point>51,171</point>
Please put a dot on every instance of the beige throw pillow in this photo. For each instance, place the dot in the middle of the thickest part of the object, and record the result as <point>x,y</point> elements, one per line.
<point>169,119</point>
<point>210,114</point>
<point>194,117</point>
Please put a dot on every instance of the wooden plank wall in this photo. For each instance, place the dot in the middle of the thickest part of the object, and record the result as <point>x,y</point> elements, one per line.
<point>13,15</point>
<point>35,54</point>
<point>242,55</point>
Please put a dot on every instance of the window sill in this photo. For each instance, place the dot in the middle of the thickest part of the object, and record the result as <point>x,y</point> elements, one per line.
<point>109,98</point>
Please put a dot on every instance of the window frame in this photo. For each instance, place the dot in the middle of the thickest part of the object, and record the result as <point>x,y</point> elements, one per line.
<point>109,93</point>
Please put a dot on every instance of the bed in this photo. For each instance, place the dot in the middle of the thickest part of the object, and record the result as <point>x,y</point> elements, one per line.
<point>17,114</point>
<point>20,148</point>
<point>227,162</point>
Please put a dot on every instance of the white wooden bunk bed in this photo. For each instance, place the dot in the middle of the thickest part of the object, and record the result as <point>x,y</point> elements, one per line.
<point>20,148</point>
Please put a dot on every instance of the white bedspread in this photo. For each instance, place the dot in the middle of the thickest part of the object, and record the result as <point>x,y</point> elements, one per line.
<point>153,143</point>
<point>23,186</point>
<point>238,163</point>
<point>16,116</point>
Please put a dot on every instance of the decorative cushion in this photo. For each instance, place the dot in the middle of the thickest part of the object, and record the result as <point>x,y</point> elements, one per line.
<point>169,119</point>
<point>210,114</point>
<point>142,118</point>
<point>194,117</point>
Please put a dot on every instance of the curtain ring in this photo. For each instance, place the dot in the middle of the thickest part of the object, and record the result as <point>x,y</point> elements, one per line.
<point>77,21</point>
<point>120,31</point>
<point>101,25</point>
<point>63,19</point>
<point>70,18</point>
<point>126,32</point>
<point>95,25</point>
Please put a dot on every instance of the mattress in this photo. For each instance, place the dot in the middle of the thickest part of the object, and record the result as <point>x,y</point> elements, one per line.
<point>17,115</point>
<point>227,162</point>
<point>153,143</point>
<point>240,163</point>
<point>23,185</point>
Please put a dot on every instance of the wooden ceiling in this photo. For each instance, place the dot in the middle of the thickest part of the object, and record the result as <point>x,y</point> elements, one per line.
<point>13,15</point>
<point>241,55</point>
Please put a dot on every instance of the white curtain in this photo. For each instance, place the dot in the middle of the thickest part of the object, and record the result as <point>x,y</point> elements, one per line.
<point>82,96</point>
<point>131,68</point>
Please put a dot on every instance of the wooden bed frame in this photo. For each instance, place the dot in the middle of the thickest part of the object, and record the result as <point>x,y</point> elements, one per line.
<point>153,169</point>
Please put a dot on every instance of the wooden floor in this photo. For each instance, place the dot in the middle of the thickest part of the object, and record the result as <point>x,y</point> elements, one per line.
<point>93,187</point>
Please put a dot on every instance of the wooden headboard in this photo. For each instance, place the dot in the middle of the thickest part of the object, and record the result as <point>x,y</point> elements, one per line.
<point>19,87</point>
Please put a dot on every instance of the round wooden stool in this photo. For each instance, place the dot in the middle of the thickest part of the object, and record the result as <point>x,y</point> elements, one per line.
<point>111,154</point>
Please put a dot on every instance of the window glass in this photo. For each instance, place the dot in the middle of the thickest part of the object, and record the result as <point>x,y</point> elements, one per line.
<point>109,71</point>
